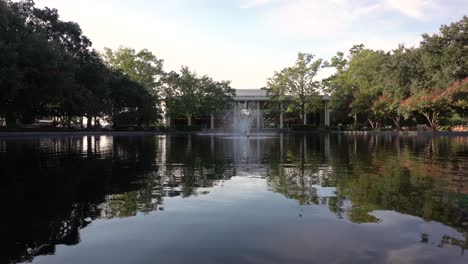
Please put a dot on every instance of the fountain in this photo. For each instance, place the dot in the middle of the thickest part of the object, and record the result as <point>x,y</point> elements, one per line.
<point>242,122</point>
<point>243,118</point>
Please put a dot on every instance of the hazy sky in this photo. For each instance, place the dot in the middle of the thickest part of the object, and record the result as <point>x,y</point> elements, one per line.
<point>247,40</point>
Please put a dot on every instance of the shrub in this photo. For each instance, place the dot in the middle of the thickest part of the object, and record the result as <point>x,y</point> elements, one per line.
<point>187,128</point>
<point>304,127</point>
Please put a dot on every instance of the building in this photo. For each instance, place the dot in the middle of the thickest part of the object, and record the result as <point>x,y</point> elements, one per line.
<point>253,101</point>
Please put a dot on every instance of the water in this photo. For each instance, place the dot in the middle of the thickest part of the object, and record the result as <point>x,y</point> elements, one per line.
<point>243,118</point>
<point>220,199</point>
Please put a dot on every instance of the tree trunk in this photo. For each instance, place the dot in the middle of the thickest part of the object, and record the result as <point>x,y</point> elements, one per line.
<point>396,121</point>
<point>96,122</point>
<point>89,123</point>
<point>189,120</point>
<point>303,113</point>
<point>11,120</point>
<point>68,118</point>
<point>374,125</point>
<point>432,119</point>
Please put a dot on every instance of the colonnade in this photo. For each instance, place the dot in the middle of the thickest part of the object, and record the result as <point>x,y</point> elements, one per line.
<point>258,112</point>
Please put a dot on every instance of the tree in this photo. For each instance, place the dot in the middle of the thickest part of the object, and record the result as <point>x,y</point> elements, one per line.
<point>457,94</point>
<point>431,103</point>
<point>387,107</point>
<point>48,68</point>
<point>131,103</point>
<point>444,54</point>
<point>357,82</point>
<point>365,74</point>
<point>188,95</point>
<point>296,84</point>
<point>339,87</point>
<point>183,95</point>
<point>142,66</point>
<point>217,96</point>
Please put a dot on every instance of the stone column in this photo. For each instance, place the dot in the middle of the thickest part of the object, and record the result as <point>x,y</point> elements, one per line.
<point>212,145</point>
<point>281,126</point>
<point>281,146</point>
<point>234,116</point>
<point>327,113</point>
<point>305,118</point>
<point>258,115</point>
<point>327,147</point>
<point>212,121</point>
<point>168,120</point>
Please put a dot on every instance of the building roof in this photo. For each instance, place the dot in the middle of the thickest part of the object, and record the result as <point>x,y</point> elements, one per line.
<point>251,95</point>
<point>257,95</point>
<point>251,92</point>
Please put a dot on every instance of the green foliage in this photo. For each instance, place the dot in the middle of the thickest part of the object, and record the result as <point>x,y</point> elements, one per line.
<point>142,67</point>
<point>297,86</point>
<point>188,95</point>
<point>457,94</point>
<point>444,55</point>
<point>188,128</point>
<point>370,85</point>
<point>304,127</point>
<point>434,103</point>
<point>430,103</point>
<point>49,69</point>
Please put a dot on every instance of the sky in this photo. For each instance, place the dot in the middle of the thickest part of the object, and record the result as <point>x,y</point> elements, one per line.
<point>246,41</point>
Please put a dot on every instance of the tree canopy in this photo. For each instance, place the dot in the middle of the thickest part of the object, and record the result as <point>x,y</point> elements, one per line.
<point>188,95</point>
<point>48,68</point>
<point>404,85</point>
<point>297,85</point>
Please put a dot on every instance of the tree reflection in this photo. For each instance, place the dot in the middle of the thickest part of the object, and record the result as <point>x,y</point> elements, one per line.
<point>424,177</point>
<point>57,186</point>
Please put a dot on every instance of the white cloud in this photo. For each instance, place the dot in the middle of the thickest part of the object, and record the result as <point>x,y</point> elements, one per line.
<point>317,17</point>
<point>312,18</point>
<point>412,8</point>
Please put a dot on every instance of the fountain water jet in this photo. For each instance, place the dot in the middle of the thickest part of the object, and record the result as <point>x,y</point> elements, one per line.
<point>243,118</point>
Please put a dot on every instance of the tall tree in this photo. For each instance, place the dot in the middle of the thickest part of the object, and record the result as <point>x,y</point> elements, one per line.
<point>183,95</point>
<point>297,85</point>
<point>431,104</point>
<point>357,82</point>
<point>339,87</point>
<point>142,66</point>
<point>189,95</point>
<point>444,54</point>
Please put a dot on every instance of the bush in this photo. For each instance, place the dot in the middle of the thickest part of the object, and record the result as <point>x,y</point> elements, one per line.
<point>304,127</point>
<point>161,128</point>
<point>187,128</point>
<point>359,127</point>
<point>125,127</point>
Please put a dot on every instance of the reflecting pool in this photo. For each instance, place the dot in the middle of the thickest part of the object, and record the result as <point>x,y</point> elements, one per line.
<point>318,198</point>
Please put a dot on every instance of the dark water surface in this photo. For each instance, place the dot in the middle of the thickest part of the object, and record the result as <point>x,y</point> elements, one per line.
<point>212,199</point>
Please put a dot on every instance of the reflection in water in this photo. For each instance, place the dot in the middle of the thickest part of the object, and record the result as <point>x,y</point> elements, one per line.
<point>57,187</point>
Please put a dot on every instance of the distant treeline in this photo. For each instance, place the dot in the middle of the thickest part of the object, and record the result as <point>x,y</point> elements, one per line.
<point>427,84</point>
<point>48,68</point>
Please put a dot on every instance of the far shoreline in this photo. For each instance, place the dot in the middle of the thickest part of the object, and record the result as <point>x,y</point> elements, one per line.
<point>23,134</point>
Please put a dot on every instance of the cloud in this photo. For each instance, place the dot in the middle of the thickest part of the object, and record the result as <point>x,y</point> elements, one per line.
<point>414,8</point>
<point>316,17</point>
<point>312,18</point>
